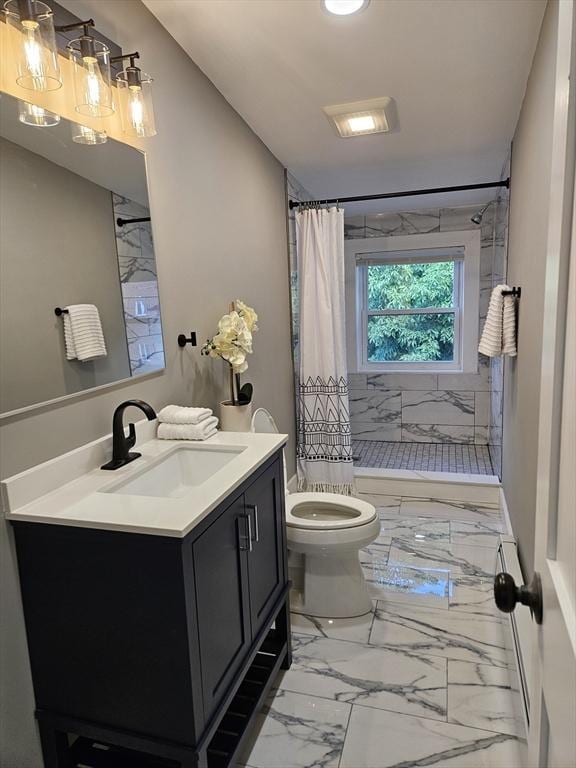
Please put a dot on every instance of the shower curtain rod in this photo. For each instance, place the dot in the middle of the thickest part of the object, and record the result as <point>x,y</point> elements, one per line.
<point>386,195</point>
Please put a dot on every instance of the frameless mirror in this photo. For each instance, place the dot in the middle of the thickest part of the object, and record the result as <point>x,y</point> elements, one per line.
<point>75,229</point>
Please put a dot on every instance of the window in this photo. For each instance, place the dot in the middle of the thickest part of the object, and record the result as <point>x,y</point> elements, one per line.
<point>416,310</point>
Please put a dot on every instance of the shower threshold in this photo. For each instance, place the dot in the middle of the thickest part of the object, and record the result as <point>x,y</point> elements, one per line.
<point>430,457</point>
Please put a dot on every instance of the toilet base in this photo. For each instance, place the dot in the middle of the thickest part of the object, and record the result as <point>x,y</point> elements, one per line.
<point>333,588</point>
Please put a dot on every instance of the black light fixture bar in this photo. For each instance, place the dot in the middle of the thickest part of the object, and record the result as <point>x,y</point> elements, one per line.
<point>75,25</point>
<point>132,71</point>
<point>409,193</point>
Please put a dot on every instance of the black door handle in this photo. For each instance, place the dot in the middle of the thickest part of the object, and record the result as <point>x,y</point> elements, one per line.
<point>507,595</point>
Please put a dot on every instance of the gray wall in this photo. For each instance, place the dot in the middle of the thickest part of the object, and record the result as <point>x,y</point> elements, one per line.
<point>219,214</point>
<point>65,255</point>
<point>528,226</point>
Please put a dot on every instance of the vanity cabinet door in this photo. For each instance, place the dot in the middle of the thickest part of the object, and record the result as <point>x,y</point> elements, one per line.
<point>222,601</point>
<point>264,503</point>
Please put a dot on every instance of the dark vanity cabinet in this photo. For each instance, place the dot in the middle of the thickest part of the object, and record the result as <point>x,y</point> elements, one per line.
<point>151,650</point>
<point>235,599</point>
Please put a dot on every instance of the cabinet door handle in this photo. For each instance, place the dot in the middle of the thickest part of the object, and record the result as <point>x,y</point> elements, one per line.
<point>244,536</point>
<point>254,507</point>
<point>249,532</point>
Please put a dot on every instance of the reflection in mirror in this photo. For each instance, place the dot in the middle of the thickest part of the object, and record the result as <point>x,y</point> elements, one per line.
<point>75,233</point>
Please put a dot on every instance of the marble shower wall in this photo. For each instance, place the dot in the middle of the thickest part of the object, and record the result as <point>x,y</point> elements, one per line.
<point>499,270</point>
<point>296,192</point>
<point>139,283</point>
<point>437,408</point>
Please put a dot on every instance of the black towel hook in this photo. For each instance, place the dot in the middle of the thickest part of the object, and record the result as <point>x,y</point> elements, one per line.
<point>182,340</point>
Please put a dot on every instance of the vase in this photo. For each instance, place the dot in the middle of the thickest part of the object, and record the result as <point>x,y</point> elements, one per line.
<point>235,418</point>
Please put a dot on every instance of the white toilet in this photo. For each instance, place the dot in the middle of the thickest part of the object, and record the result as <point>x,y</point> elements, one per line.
<point>325,532</point>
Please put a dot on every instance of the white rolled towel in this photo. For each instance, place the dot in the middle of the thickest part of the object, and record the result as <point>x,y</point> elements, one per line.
<point>201,431</point>
<point>180,414</point>
<point>499,334</point>
<point>509,327</point>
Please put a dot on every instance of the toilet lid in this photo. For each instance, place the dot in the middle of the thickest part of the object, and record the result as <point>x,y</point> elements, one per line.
<point>327,511</point>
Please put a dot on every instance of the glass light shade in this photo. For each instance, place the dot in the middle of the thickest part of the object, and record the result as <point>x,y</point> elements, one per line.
<point>34,49</point>
<point>32,114</point>
<point>82,134</point>
<point>135,101</point>
<point>92,90</point>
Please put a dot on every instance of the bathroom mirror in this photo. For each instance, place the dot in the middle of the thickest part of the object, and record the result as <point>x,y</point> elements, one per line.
<point>75,229</point>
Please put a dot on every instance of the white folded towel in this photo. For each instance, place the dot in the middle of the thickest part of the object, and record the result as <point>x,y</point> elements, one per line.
<point>180,414</point>
<point>499,334</point>
<point>201,431</point>
<point>83,333</point>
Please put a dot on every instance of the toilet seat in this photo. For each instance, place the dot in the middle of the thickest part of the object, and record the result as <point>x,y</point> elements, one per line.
<point>327,511</point>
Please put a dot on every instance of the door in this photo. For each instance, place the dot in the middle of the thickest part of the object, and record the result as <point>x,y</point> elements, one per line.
<point>221,575</point>
<point>264,503</point>
<point>552,736</point>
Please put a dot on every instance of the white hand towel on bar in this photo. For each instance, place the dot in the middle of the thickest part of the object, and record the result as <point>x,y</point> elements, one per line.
<point>201,431</point>
<point>499,334</point>
<point>83,333</point>
<point>180,414</point>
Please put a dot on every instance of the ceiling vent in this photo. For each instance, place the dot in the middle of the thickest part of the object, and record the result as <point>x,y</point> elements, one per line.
<point>358,118</point>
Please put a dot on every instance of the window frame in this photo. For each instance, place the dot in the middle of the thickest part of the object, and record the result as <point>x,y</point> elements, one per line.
<point>462,247</point>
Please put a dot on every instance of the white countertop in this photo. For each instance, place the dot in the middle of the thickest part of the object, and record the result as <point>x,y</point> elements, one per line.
<point>39,495</point>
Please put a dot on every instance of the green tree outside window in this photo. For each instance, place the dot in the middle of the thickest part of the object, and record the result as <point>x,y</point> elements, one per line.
<point>411,337</point>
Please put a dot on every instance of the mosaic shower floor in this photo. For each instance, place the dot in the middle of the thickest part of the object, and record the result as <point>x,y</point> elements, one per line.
<point>427,679</point>
<point>432,457</point>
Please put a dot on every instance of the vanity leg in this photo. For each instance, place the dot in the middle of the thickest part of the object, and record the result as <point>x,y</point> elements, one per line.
<point>283,625</point>
<point>54,747</point>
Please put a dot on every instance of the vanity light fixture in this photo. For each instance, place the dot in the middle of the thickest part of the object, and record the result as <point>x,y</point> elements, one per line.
<point>34,45</point>
<point>91,66</point>
<point>32,114</point>
<point>344,7</point>
<point>359,118</point>
<point>135,99</point>
<point>82,134</point>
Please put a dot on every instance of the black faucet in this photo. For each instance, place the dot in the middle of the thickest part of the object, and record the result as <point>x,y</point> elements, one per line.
<point>121,444</point>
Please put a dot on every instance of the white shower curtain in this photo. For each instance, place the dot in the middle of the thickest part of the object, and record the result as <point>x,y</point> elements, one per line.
<point>324,439</point>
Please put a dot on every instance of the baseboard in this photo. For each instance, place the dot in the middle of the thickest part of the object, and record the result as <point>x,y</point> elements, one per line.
<point>519,624</point>
<point>505,513</point>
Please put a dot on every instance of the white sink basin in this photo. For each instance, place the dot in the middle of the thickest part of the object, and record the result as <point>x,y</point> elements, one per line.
<point>178,473</point>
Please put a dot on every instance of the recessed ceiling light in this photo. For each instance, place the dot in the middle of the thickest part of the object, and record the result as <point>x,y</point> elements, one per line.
<point>344,7</point>
<point>361,124</point>
<point>359,117</point>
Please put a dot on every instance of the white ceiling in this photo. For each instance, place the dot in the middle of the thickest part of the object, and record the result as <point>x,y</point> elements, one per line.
<point>457,70</point>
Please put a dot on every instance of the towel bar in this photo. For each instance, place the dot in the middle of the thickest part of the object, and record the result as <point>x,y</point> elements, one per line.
<point>517,292</point>
<point>58,311</point>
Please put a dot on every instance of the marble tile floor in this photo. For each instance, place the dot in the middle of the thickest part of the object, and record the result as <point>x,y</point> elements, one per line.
<point>434,457</point>
<point>426,679</point>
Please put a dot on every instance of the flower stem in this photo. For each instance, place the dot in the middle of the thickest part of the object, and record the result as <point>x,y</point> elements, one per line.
<point>232,397</point>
